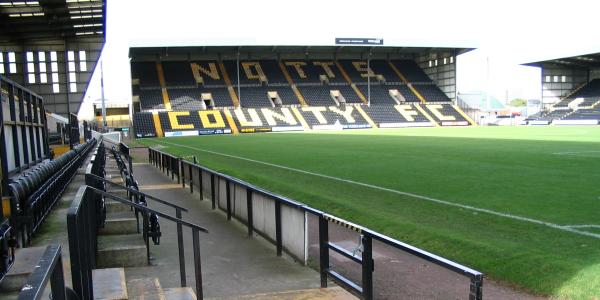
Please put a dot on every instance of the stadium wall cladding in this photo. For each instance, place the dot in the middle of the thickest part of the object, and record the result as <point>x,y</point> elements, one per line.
<point>280,119</point>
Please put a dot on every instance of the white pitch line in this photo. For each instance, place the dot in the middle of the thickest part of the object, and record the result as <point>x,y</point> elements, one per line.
<point>444,202</point>
<point>576,152</point>
<point>583,226</point>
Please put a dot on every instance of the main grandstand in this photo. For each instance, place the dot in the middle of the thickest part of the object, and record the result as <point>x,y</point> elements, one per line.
<point>570,91</point>
<point>208,90</point>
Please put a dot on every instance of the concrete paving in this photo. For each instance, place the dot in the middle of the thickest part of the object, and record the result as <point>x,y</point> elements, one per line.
<point>233,264</point>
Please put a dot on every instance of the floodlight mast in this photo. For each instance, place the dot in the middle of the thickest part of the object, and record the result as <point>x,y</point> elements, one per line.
<point>238,80</point>
<point>102,95</point>
<point>369,79</point>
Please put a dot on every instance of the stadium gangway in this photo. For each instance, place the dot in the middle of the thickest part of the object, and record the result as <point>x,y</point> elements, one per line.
<point>173,164</point>
<point>80,224</point>
<point>91,179</point>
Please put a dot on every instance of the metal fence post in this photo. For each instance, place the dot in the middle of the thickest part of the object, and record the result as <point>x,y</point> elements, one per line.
<point>323,250</point>
<point>201,184</point>
<point>250,217</point>
<point>476,288</point>
<point>172,166</point>
<point>181,252</point>
<point>212,190</point>
<point>367,267</point>
<point>180,171</point>
<point>191,176</point>
<point>197,263</point>
<point>278,227</point>
<point>228,193</point>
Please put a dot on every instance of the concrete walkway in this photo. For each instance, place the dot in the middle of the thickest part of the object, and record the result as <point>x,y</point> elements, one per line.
<point>233,264</point>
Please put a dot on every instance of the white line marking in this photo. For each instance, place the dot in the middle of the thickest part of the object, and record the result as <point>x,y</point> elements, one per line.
<point>483,210</point>
<point>583,226</point>
<point>578,153</point>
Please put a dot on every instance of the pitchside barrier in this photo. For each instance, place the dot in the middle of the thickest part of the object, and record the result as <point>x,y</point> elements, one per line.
<point>284,222</point>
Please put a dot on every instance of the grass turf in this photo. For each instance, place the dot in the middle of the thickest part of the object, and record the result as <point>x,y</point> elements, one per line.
<point>544,173</point>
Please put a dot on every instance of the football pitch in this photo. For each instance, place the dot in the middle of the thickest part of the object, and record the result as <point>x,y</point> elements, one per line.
<point>521,204</point>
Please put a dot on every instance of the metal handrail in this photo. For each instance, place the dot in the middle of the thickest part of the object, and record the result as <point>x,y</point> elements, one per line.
<point>148,210</point>
<point>196,229</point>
<point>49,268</point>
<point>476,277</point>
<point>96,177</point>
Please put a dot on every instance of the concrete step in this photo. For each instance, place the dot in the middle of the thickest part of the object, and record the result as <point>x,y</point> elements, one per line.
<point>116,178</point>
<point>150,289</point>
<point>127,250</point>
<point>119,223</point>
<point>117,192</point>
<point>113,206</point>
<point>109,284</point>
<point>25,261</point>
<point>146,288</point>
<point>179,293</point>
<point>333,293</point>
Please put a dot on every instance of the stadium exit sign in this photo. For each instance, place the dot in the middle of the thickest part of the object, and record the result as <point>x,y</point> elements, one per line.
<point>358,41</point>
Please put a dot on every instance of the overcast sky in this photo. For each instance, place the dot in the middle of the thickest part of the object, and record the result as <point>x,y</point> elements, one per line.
<point>507,33</point>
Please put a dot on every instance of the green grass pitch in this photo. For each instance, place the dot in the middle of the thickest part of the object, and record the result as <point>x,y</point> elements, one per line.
<point>537,185</point>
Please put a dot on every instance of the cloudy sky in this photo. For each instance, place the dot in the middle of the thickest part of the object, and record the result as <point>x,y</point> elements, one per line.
<point>507,33</point>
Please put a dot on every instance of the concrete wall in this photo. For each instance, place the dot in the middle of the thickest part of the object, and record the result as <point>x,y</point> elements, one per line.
<point>293,220</point>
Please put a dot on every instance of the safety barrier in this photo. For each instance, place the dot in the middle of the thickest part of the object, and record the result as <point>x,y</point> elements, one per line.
<point>7,251</point>
<point>34,193</point>
<point>48,269</point>
<point>87,213</point>
<point>284,222</point>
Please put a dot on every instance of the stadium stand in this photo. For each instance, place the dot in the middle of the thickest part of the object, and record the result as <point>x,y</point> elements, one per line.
<point>591,89</point>
<point>285,95</point>
<point>411,71</point>
<point>178,74</point>
<point>445,114</point>
<point>590,93</point>
<point>555,115</point>
<point>317,95</point>
<point>145,73</point>
<point>312,71</point>
<point>583,104</point>
<point>404,115</point>
<point>207,73</point>
<point>405,92</point>
<point>151,98</point>
<point>380,94</point>
<point>144,124</point>
<point>585,114</point>
<point>431,93</point>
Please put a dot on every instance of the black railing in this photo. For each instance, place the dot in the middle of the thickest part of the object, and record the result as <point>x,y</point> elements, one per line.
<point>48,269</point>
<point>83,234</point>
<point>174,165</point>
<point>140,198</point>
<point>86,214</point>
<point>34,194</point>
<point>7,250</point>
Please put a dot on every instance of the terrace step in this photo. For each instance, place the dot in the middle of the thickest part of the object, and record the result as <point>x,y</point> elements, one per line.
<point>113,206</point>
<point>116,178</point>
<point>336,293</point>
<point>179,293</point>
<point>126,250</point>
<point>109,284</point>
<point>25,261</point>
<point>151,289</point>
<point>120,223</point>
